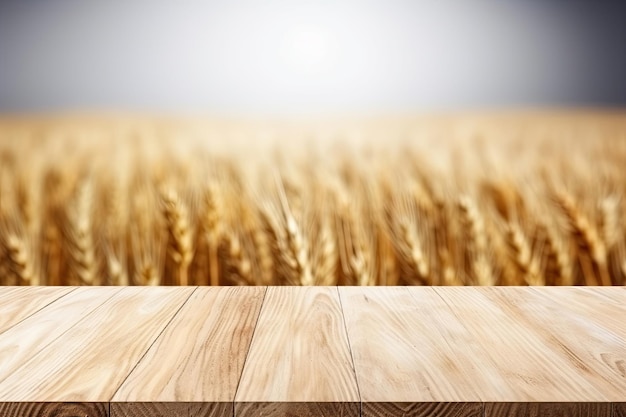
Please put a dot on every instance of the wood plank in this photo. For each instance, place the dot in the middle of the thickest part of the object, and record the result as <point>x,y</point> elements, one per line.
<point>167,409</point>
<point>18,303</point>
<point>548,409</point>
<point>603,311</point>
<point>297,408</point>
<point>26,339</point>
<point>411,354</point>
<point>91,360</point>
<point>598,353</point>
<point>523,360</point>
<point>299,357</point>
<point>54,409</point>
<point>204,348</point>
<point>423,409</point>
<point>418,351</point>
<point>619,409</point>
<point>608,294</point>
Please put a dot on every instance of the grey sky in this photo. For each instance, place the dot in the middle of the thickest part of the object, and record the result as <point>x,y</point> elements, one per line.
<point>286,56</point>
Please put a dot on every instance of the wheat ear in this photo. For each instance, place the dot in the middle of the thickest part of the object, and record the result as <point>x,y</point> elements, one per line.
<point>297,253</point>
<point>21,260</point>
<point>476,244</point>
<point>213,226</point>
<point>590,246</point>
<point>80,235</point>
<point>238,265</point>
<point>180,237</point>
<point>521,254</point>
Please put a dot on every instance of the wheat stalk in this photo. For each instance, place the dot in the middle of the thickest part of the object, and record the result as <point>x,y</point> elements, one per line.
<point>168,206</point>
<point>521,253</point>
<point>81,246</point>
<point>21,261</point>
<point>591,250</point>
<point>180,241</point>
<point>476,245</point>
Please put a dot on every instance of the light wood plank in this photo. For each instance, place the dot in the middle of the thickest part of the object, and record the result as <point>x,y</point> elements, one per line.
<point>204,348</point>
<point>410,351</point>
<point>548,410</point>
<point>26,339</point>
<point>608,294</point>
<point>94,357</point>
<point>17,303</point>
<point>54,409</point>
<point>523,360</point>
<point>522,351</point>
<point>593,305</point>
<point>299,357</point>
<point>597,353</point>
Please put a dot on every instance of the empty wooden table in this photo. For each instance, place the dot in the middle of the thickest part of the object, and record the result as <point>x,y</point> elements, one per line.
<point>308,351</point>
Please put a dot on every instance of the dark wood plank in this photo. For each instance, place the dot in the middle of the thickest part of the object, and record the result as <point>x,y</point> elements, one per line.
<point>433,409</point>
<point>619,409</point>
<point>51,409</point>
<point>548,410</point>
<point>298,409</point>
<point>171,409</point>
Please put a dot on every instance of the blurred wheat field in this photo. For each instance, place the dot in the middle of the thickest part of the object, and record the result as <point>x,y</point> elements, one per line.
<point>503,199</point>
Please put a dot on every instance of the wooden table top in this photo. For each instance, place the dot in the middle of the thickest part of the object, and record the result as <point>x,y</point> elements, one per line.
<point>309,351</point>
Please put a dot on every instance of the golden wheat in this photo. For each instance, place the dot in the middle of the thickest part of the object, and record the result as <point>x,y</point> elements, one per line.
<point>482,200</point>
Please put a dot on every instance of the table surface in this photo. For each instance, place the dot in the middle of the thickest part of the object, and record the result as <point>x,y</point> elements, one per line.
<point>350,351</point>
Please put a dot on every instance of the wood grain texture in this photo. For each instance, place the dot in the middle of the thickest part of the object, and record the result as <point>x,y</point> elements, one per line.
<point>548,410</point>
<point>94,357</point>
<point>607,294</point>
<point>436,409</point>
<point>521,358</point>
<point>408,347</point>
<point>297,409</point>
<point>619,409</point>
<point>287,351</point>
<point>299,354</point>
<point>47,409</point>
<point>24,340</point>
<point>594,304</point>
<point>204,348</point>
<point>171,409</point>
<point>17,303</point>
<point>598,353</point>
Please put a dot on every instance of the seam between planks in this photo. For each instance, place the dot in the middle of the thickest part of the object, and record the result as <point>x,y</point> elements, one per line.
<point>38,310</point>
<point>416,301</point>
<point>345,328</point>
<point>152,344</point>
<point>68,329</point>
<point>245,361</point>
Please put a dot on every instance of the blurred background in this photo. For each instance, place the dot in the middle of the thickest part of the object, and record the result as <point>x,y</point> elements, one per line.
<point>295,57</point>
